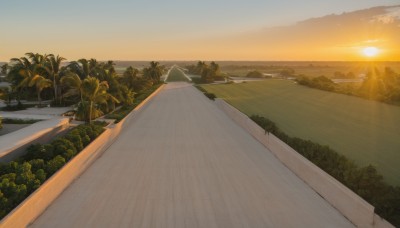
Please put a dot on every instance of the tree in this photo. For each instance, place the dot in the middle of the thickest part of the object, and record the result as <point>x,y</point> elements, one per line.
<point>53,69</point>
<point>254,74</point>
<point>153,72</point>
<point>4,69</point>
<point>95,92</point>
<point>40,83</point>
<point>74,84</point>
<point>83,67</point>
<point>200,66</point>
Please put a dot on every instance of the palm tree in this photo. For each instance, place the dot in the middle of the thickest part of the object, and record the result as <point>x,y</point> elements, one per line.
<point>74,83</point>
<point>153,72</point>
<point>4,69</point>
<point>200,66</point>
<point>96,93</point>
<point>53,70</point>
<point>40,83</point>
<point>36,58</point>
<point>83,67</point>
<point>130,77</point>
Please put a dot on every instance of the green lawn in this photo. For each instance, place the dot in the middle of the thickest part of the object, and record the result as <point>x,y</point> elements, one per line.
<point>176,75</point>
<point>365,131</point>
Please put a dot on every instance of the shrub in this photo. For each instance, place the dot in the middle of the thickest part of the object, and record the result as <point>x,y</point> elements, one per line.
<point>62,145</point>
<point>37,164</point>
<point>75,139</point>
<point>55,164</point>
<point>210,96</point>
<point>254,74</point>
<point>35,151</point>
<point>40,175</point>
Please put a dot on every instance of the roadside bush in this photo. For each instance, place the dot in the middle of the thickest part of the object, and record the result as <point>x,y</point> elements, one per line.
<point>210,96</point>
<point>62,145</point>
<point>76,140</point>
<point>55,164</point>
<point>37,164</point>
<point>41,151</point>
<point>19,121</point>
<point>364,181</point>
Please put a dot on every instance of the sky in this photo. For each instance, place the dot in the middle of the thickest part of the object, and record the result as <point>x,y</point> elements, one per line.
<point>160,30</point>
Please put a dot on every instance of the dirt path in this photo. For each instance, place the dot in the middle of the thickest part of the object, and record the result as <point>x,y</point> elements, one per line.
<point>183,163</point>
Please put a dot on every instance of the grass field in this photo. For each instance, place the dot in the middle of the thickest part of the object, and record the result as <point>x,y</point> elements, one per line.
<point>365,131</point>
<point>176,75</point>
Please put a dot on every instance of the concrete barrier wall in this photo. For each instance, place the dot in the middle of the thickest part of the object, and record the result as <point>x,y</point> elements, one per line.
<point>353,207</point>
<point>14,144</point>
<point>33,206</point>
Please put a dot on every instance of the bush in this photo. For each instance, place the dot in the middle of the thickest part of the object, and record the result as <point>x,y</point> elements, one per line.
<point>61,147</point>
<point>75,139</point>
<point>19,121</point>
<point>210,96</point>
<point>35,151</point>
<point>254,74</point>
<point>55,164</point>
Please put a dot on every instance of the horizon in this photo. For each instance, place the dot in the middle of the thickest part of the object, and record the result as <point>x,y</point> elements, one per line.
<point>141,31</point>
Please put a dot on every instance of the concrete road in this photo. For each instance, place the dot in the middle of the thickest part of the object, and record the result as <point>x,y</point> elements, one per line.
<point>183,163</point>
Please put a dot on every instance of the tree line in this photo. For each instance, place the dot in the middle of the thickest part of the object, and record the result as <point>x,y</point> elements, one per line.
<point>364,181</point>
<point>378,85</point>
<point>208,72</point>
<point>95,87</point>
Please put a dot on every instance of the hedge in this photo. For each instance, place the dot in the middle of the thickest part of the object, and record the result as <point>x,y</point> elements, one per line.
<point>19,178</point>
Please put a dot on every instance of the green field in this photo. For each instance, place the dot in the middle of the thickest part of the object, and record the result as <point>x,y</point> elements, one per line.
<point>176,75</point>
<point>367,132</point>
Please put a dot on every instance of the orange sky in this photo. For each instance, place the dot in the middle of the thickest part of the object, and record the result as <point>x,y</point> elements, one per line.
<point>257,30</point>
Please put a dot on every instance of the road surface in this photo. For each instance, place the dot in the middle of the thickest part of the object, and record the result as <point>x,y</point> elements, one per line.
<point>183,163</point>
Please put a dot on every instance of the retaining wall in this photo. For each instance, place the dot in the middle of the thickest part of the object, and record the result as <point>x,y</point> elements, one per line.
<point>349,204</point>
<point>33,206</point>
<point>14,144</point>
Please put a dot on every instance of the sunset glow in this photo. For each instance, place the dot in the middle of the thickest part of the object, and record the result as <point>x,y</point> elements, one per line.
<point>370,51</point>
<point>208,30</point>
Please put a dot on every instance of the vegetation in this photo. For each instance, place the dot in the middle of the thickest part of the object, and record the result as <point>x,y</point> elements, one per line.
<point>19,178</point>
<point>321,82</point>
<point>208,73</point>
<point>19,121</point>
<point>210,96</point>
<point>362,130</point>
<point>365,181</point>
<point>380,86</point>
<point>95,87</point>
<point>119,114</point>
<point>175,74</point>
<point>254,74</point>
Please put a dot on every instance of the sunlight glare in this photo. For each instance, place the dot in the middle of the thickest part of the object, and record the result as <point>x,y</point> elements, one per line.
<point>370,51</point>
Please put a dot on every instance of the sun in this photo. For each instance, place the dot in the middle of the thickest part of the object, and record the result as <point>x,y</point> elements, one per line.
<point>370,51</point>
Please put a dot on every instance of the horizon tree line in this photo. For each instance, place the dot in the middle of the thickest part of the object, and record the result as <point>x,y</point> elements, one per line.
<point>94,87</point>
